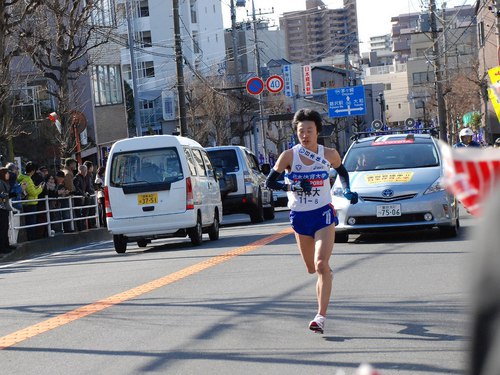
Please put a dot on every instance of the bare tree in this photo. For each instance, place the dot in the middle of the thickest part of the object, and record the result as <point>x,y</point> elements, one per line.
<point>12,15</point>
<point>60,41</point>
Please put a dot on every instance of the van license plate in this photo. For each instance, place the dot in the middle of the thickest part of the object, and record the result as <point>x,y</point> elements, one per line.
<point>147,198</point>
<point>388,210</point>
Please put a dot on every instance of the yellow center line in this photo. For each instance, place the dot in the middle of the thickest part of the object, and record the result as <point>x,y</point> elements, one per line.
<point>60,320</point>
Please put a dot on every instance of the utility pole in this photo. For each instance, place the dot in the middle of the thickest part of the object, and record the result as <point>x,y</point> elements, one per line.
<point>443,129</point>
<point>234,36</point>
<point>257,69</point>
<point>180,69</point>
<point>133,68</point>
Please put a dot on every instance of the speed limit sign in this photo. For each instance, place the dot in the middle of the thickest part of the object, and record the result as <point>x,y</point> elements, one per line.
<point>275,84</point>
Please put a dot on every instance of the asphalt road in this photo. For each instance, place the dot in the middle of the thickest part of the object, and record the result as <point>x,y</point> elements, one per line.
<point>239,305</point>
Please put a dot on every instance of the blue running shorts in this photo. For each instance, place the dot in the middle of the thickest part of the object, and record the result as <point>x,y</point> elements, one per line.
<point>308,223</point>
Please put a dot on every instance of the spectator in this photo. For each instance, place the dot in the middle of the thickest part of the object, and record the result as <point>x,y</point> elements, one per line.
<point>497,143</point>
<point>38,177</point>
<point>99,187</point>
<point>69,166</point>
<point>16,194</point>
<point>80,183</point>
<point>29,205</point>
<point>5,207</point>
<point>16,189</point>
<point>62,201</point>
<point>90,200</point>
<point>466,139</point>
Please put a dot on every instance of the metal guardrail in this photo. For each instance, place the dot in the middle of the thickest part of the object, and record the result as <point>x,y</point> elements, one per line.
<point>15,216</point>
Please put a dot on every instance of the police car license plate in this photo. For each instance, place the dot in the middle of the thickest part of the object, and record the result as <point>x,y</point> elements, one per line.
<point>147,198</point>
<point>388,210</point>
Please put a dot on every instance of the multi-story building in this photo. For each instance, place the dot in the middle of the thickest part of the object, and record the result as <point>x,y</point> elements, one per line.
<point>381,43</point>
<point>271,44</point>
<point>409,82</point>
<point>449,20</point>
<point>319,32</point>
<point>152,27</point>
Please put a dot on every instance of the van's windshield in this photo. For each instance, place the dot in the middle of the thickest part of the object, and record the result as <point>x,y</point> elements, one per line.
<point>143,167</point>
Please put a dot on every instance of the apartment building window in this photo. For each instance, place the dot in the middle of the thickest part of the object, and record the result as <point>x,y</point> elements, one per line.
<point>103,13</point>
<point>196,46</point>
<point>145,38</point>
<point>127,72</point>
<point>147,69</point>
<point>387,86</point>
<point>480,34</point>
<point>143,8</point>
<point>194,16</point>
<point>107,84</point>
<point>29,102</point>
<point>421,78</point>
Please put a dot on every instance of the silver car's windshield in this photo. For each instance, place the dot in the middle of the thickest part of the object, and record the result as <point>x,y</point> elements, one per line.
<point>393,156</point>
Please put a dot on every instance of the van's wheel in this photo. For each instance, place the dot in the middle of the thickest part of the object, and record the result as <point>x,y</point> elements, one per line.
<point>257,214</point>
<point>120,242</point>
<point>213,231</point>
<point>142,242</point>
<point>196,233</point>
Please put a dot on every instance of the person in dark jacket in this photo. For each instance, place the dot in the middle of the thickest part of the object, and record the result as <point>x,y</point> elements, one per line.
<point>80,183</point>
<point>5,208</point>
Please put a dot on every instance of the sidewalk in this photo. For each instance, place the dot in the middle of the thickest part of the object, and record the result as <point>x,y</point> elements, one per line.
<point>26,250</point>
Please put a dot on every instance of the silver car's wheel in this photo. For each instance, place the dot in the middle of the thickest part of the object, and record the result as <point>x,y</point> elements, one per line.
<point>341,238</point>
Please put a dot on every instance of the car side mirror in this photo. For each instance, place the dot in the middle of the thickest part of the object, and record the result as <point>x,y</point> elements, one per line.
<point>219,173</point>
<point>265,168</point>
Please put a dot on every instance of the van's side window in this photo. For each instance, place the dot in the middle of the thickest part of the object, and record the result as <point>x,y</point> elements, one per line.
<point>199,162</point>
<point>208,165</point>
<point>191,163</point>
<point>252,161</point>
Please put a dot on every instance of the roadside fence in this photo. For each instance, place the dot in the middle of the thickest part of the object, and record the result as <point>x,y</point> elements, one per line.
<point>59,215</point>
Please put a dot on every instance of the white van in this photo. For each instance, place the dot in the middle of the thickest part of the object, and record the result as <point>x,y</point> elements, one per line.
<point>160,186</point>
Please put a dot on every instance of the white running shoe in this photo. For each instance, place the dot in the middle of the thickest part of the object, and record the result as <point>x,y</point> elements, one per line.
<point>317,325</point>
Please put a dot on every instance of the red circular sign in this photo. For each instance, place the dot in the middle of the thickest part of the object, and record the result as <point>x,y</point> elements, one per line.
<point>275,84</point>
<point>255,85</point>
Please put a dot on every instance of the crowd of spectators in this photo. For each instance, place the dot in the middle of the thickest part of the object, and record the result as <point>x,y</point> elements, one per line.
<point>24,192</point>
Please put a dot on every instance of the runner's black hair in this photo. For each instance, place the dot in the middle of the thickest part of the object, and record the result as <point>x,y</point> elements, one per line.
<point>307,115</point>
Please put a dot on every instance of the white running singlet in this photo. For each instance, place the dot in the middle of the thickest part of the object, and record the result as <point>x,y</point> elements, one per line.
<point>318,176</point>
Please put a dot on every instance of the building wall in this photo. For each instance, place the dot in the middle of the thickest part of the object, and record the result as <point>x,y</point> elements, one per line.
<point>396,90</point>
<point>202,47</point>
<point>318,32</point>
<point>488,58</point>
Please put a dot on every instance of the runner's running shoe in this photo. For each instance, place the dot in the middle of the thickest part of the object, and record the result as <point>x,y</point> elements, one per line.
<point>317,324</point>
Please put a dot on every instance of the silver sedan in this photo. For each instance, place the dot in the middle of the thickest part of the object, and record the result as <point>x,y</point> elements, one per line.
<point>398,179</point>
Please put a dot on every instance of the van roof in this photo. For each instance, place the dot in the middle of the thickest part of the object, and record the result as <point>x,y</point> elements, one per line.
<point>153,141</point>
<point>232,147</point>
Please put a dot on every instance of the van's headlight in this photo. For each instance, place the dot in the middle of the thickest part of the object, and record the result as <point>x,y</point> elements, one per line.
<point>435,187</point>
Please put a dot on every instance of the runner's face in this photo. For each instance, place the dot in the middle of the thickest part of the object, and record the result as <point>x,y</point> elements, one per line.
<point>307,134</point>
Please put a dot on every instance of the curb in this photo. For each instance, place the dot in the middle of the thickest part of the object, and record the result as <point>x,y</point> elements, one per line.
<point>26,250</point>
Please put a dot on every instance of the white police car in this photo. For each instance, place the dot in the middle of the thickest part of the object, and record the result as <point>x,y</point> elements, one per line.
<point>397,178</point>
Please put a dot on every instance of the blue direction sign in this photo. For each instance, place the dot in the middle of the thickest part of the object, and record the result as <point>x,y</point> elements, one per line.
<point>255,86</point>
<point>346,101</point>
